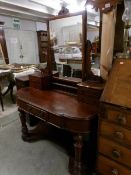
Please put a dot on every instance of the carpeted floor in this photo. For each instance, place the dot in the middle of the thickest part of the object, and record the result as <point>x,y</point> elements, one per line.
<point>21,158</point>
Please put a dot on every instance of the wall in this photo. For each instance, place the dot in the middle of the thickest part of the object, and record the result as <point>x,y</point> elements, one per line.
<point>25,25</point>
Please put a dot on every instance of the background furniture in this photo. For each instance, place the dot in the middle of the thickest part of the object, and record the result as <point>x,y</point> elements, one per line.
<point>42,45</point>
<point>114,144</point>
<point>6,80</point>
<point>1,100</point>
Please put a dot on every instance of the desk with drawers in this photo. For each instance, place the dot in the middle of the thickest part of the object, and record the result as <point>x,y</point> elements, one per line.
<point>115,122</point>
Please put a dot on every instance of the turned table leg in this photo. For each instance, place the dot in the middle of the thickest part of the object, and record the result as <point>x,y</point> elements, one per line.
<point>38,133</point>
<point>25,133</point>
<point>78,155</point>
<point>75,164</point>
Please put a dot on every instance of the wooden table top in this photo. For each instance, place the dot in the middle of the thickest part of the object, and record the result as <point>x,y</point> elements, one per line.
<point>57,103</point>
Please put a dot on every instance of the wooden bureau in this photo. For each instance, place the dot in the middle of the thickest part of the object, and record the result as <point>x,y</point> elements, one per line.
<point>114,141</point>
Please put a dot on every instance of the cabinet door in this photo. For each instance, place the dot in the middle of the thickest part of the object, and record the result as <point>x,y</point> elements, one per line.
<point>22,46</point>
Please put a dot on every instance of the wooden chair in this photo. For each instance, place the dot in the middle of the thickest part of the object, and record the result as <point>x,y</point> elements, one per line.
<point>1,100</point>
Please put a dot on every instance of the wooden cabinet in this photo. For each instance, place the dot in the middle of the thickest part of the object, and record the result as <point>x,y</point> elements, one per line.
<point>43,45</point>
<point>114,142</point>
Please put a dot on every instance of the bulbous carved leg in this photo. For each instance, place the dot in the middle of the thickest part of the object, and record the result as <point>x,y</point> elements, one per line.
<point>75,164</point>
<point>78,155</point>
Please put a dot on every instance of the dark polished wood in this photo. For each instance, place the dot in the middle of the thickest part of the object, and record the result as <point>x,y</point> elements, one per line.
<point>90,92</point>
<point>53,100</point>
<point>66,113</point>
<point>119,29</point>
<point>115,122</point>
<point>22,82</point>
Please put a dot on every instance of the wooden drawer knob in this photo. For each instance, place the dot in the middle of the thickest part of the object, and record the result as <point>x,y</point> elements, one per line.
<point>121,119</point>
<point>115,172</point>
<point>119,135</point>
<point>116,154</point>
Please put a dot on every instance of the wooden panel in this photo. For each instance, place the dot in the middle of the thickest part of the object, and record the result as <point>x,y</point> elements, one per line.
<point>118,89</point>
<point>115,151</point>
<point>107,167</point>
<point>119,116</point>
<point>115,132</point>
<point>38,81</point>
<point>90,92</point>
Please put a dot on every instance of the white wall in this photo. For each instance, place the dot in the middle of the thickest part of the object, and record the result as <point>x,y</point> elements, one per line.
<point>25,26</point>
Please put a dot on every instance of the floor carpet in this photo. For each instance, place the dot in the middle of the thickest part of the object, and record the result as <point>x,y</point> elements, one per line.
<point>21,158</point>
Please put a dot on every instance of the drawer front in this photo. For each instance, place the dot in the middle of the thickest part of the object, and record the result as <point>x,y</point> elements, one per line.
<point>122,117</point>
<point>33,110</point>
<point>55,120</point>
<point>115,151</point>
<point>107,167</point>
<point>115,132</point>
<point>90,92</point>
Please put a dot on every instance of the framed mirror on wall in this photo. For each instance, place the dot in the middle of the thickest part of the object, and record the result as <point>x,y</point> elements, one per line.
<point>67,40</point>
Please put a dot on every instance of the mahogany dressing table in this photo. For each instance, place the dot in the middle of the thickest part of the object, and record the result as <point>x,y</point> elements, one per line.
<point>63,103</point>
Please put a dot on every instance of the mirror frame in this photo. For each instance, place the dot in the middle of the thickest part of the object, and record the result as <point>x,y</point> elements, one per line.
<point>84,38</point>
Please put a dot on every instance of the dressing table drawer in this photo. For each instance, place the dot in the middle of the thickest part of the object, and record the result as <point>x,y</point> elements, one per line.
<point>108,167</point>
<point>115,151</point>
<point>115,132</point>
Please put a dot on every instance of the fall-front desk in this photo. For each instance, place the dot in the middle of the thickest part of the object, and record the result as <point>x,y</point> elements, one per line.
<point>61,110</point>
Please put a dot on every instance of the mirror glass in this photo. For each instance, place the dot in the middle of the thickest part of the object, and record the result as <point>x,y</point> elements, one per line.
<point>2,60</point>
<point>127,41</point>
<point>93,37</point>
<point>66,45</point>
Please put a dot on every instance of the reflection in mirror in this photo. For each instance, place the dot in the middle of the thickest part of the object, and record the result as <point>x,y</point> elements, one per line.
<point>93,32</point>
<point>66,44</point>
<point>2,60</point>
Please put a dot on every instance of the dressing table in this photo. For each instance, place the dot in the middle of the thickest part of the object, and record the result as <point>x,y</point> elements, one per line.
<point>57,101</point>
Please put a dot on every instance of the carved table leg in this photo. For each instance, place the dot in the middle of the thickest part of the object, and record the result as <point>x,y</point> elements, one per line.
<point>75,165</point>
<point>38,133</point>
<point>1,100</point>
<point>25,133</point>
